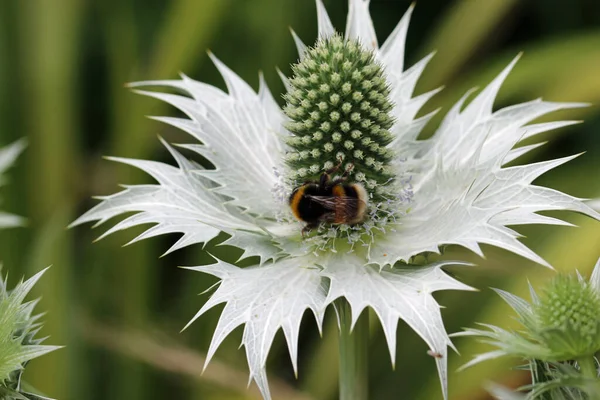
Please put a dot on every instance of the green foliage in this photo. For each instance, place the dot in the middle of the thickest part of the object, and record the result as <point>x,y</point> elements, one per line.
<point>18,342</point>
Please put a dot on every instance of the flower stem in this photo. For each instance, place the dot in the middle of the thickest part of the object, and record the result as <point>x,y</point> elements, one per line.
<point>587,366</point>
<point>353,348</point>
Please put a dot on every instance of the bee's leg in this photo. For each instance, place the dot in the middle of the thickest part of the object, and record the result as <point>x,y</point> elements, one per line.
<point>336,167</point>
<point>333,169</point>
<point>306,230</point>
<point>349,169</point>
<point>309,227</point>
<point>323,182</point>
<point>344,176</point>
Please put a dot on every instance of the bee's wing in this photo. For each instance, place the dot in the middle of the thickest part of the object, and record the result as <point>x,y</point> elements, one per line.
<point>341,207</point>
<point>333,202</point>
<point>328,202</point>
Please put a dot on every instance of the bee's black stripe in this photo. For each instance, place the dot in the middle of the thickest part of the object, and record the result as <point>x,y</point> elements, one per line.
<point>350,191</point>
<point>303,207</point>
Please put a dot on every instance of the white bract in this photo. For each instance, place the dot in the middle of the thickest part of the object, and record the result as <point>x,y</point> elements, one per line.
<point>460,194</point>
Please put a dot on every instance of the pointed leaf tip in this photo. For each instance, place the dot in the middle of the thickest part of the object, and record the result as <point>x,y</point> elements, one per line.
<point>595,278</point>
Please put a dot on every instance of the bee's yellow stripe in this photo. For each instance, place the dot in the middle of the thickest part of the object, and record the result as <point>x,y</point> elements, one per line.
<point>296,201</point>
<point>338,190</point>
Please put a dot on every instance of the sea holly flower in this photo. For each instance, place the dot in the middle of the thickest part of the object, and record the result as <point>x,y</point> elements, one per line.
<point>350,112</point>
<point>560,326</point>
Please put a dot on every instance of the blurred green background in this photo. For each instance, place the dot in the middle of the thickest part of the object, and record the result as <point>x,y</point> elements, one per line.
<point>63,64</point>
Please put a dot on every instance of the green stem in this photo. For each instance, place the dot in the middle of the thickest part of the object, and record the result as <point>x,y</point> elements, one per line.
<point>353,348</point>
<point>587,366</point>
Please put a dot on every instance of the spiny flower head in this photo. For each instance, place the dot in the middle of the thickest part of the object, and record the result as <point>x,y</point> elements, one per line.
<point>339,108</point>
<point>568,318</point>
<point>561,324</point>
<point>348,99</point>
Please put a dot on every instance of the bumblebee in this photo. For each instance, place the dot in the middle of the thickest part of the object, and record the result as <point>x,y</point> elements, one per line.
<point>329,201</point>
